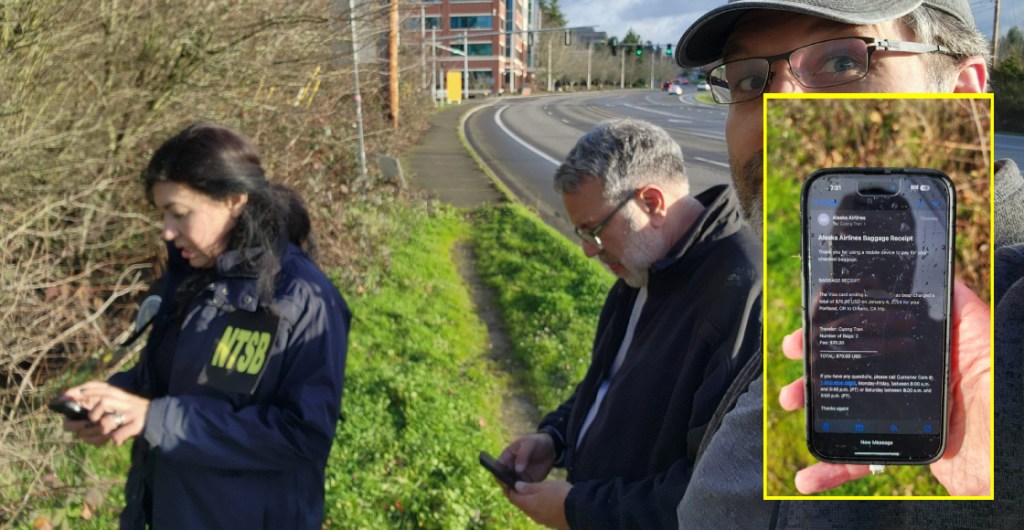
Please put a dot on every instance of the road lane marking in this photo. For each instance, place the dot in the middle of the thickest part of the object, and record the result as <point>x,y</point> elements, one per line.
<point>512,135</point>
<point>650,110</point>
<point>706,161</point>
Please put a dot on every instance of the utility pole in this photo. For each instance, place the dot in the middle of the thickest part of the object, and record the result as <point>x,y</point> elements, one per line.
<point>393,62</point>
<point>423,49</point>
<point>465,65</point>
<point>590,57</point>
<point>652,70</point>
<point>433,66</point>
<point>512,63</point>
<point>551,85</point>
<point>357,97</point>
<point>622,71</point>
<point>995,37</point>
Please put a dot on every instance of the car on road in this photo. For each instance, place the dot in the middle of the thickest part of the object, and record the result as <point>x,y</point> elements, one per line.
<point>703,87</point>
<point>675,90</point>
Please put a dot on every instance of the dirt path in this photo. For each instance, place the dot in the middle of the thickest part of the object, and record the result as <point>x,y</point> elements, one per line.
<point>518,413</point>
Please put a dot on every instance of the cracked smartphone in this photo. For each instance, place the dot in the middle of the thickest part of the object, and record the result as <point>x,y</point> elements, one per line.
<point>877,262</point>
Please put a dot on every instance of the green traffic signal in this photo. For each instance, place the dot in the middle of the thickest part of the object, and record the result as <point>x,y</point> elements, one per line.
<point>639,52</point>
<point>668,49</point>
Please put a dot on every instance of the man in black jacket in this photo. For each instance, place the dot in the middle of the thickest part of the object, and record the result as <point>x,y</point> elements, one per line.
<point>674,331</point>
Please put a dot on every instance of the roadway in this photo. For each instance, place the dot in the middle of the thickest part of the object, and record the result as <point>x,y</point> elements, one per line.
<point>523,140</point>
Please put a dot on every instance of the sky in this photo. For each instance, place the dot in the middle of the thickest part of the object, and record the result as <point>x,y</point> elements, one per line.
<point>663,22</point>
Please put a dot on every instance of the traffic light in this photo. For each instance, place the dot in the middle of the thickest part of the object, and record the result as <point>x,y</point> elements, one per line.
<point>612,46</point>
<point>639,51</point>
<point>668,49</point>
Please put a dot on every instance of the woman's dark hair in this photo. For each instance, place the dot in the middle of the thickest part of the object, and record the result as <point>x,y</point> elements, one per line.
<point>217,161</point>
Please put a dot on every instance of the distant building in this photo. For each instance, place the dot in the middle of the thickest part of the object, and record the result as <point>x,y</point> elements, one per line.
<point>497,62</point>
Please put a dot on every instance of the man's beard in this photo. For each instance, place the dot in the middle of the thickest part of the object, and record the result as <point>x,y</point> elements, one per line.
<point>644,246</point>
<point>748,182</point>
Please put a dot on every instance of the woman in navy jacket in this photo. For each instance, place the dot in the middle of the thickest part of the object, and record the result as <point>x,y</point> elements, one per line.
<point>235,399</point>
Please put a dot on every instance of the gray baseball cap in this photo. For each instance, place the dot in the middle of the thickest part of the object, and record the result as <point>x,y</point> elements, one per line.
<point>702,43</point>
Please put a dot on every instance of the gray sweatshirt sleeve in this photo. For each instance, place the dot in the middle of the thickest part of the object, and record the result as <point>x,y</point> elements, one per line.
<point>726,487</point>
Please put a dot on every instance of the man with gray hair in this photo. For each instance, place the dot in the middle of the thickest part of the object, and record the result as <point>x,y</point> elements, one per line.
<point>752,47</point>
<point>675,329</point>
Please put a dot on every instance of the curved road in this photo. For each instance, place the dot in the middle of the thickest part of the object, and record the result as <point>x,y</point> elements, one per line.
<point>524,139</point>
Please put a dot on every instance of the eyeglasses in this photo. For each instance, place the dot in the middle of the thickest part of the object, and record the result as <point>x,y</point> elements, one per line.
<point>822,64</point>
<point>592,236</point>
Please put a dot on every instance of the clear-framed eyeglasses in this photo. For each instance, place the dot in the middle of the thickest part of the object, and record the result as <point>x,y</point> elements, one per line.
<point>822,64</point>
<point>592,236</point>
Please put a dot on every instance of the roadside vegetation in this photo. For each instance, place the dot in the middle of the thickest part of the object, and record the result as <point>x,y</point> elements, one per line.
<point>550,297</point>
<point>419,401</point>
<point>805,135</point>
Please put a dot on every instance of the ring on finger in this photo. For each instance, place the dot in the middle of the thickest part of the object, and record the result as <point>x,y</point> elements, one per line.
<point>118,419</point>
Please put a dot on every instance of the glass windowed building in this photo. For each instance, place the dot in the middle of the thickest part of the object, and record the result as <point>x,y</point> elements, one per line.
<point>492,32</point>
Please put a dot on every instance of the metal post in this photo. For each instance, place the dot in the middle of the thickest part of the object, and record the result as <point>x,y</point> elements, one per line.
<point>357,97</point>
<point>551,84</point>
<point>465,66</point>
<point>423,43</point>
<point>652,70</point>
<point>433,65</point>
<point>512,62</point>
<point>590,56</point>
<point>995,37</point>
<point>622,70</point>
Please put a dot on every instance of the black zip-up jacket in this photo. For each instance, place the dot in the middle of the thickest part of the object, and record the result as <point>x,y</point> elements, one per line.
<point>699,326</point>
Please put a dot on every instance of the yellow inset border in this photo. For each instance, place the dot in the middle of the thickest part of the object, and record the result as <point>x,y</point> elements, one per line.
<point>764,299</point>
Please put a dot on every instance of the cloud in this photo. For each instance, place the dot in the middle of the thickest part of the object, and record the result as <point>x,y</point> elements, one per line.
<point>656,21</point>
<point>664,22</point>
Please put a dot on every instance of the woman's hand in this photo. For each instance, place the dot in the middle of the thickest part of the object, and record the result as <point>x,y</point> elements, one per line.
<point>113,413</point>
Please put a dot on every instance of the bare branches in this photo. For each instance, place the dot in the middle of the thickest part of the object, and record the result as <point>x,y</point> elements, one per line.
<point>89,89</point>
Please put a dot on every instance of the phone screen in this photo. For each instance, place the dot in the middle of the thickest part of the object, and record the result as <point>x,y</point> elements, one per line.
<point>877,259</point>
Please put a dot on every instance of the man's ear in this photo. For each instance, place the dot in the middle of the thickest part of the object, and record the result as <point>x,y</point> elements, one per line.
<point>236,203</point>
<point>654,204</point>
<point>973,76</point>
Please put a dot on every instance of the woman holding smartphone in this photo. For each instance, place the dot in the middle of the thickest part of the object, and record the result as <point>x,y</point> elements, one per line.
<point>235,399</point>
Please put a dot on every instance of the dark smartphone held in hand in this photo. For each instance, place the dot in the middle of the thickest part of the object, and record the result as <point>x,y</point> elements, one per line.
<point>503,474</point>
<point>70,409</point>
<point>878,286</point>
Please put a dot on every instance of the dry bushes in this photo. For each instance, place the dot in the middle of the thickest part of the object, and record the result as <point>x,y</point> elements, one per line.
<point>89,90</point>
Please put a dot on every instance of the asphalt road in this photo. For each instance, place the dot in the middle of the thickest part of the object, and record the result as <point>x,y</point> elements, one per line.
<point>1010,146</point>
<point>524,139</point>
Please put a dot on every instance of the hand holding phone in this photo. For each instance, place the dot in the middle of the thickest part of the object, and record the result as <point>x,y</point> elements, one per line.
<point>507,476</point>
<point>70,409</point>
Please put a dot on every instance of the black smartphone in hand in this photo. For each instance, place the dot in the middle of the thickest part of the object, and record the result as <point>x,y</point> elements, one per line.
<point>70,409</point>
<point>877,285</point>
<point>501,472</point>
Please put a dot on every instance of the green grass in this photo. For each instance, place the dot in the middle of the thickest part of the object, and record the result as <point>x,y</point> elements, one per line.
<point>419,397</point>
<point>550,296</point>
<point>705,97</point>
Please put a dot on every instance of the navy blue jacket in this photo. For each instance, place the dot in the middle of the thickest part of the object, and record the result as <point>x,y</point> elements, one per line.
<point>698,327</point>
<point>246,395</point>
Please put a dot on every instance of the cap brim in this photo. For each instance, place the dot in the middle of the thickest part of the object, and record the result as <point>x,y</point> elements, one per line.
<point>702,43</point>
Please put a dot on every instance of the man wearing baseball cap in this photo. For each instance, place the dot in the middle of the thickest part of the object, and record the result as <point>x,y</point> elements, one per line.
<point>908,46</point>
